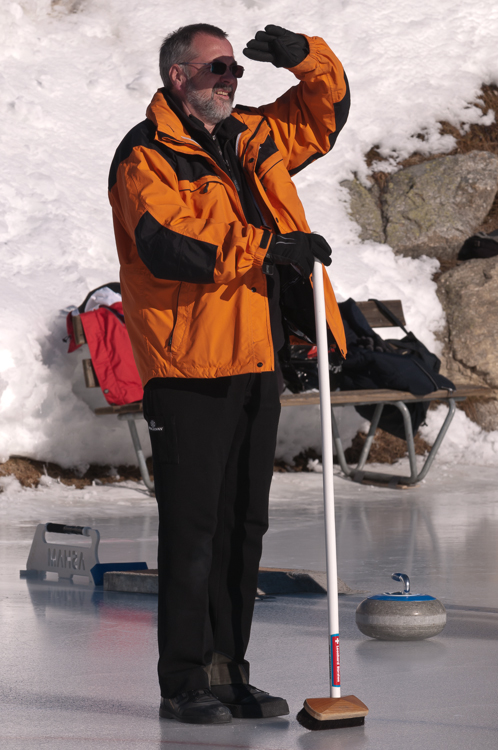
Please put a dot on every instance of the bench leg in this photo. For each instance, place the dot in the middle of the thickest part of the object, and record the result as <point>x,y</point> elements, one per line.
<point>370,436</point>
<point>410,442</point>
<point>358,475</point>
<point>339,449</point>
<point>130,418</point>
<point>437,443</point>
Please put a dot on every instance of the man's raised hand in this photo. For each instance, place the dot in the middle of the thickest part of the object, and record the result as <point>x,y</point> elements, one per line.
<point>279,46</point>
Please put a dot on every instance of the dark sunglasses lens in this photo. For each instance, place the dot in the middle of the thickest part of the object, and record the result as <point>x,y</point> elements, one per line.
<point>219,68</point>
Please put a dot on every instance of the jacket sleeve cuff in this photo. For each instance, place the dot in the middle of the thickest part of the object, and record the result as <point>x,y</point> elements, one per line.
<point>318,60</point>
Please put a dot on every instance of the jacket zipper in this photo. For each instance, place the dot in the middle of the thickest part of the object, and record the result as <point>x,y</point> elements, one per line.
<point>229,169</point>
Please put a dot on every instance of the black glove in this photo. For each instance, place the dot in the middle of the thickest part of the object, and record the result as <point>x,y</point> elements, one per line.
<point>299,249</point>
<point>277,45</point>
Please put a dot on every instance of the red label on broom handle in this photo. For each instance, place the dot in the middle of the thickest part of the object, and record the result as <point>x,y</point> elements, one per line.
<point>335,660</point>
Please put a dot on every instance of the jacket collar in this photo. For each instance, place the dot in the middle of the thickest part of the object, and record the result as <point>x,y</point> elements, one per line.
<point>170,120</point>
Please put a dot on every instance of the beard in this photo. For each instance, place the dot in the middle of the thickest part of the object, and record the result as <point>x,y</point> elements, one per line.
<point>204,102</point>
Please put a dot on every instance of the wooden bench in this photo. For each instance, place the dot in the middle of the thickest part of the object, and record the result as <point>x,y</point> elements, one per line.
<point>377,397</point>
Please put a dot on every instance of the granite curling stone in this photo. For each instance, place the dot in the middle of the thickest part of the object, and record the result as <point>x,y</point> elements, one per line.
<point>400,615</point>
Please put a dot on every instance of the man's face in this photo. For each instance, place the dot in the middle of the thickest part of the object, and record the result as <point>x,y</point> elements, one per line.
<point>206,95</point>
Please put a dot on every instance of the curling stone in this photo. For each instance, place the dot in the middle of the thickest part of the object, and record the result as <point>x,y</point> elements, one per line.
<point>401,615</point>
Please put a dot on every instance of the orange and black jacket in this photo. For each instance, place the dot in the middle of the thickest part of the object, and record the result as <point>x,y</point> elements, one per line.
<point>194,291</point>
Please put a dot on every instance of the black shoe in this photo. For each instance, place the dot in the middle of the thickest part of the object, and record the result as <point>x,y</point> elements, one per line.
<point>195,707</point>
<point>247,702</point>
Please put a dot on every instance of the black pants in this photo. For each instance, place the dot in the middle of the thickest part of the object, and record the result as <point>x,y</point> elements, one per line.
<point>213,446</point>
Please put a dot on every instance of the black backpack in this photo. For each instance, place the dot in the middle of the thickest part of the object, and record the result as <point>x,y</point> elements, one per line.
<point>480,245</point>
<point>398,364</point>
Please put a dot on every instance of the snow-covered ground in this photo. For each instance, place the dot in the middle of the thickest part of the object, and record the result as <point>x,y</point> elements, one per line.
<point>75,75</point>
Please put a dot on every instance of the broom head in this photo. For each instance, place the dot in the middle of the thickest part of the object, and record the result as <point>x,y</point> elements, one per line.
<point>332,713</point>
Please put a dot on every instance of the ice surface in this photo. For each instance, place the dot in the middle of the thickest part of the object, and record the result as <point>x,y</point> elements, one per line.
<point>442,532</point>
<point>75,76</point>
<point>79,664</point>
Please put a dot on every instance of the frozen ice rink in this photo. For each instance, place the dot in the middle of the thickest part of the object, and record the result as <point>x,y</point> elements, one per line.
<point>78,663</point>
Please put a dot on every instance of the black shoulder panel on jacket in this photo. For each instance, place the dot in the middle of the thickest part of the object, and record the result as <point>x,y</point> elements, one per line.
<point>141,135</point>
<point>341,110</point>
<point>190,167</point>
<point>170,255</point>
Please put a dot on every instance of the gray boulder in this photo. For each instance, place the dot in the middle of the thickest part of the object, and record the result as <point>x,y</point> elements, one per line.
<point>365,209</point>
<point>469,296</point>
<point>431,208</point>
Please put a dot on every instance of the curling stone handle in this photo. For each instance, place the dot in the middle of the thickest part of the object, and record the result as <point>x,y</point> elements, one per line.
<point>404,579</point>
<point>61,528</point>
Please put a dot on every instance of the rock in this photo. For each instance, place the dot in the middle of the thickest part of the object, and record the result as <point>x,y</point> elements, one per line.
<point>365,209</point>
<point>485,413</point>
<point>431,208</point>
<point>468,294</point>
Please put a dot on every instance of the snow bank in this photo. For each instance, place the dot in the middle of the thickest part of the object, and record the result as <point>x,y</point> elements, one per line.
<point>75,75</point>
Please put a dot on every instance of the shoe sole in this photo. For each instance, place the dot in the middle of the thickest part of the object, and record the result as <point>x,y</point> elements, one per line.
<point>260,711</point>
<point>165,714</point>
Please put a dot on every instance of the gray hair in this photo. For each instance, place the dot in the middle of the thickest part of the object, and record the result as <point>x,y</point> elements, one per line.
<point>177,46</point>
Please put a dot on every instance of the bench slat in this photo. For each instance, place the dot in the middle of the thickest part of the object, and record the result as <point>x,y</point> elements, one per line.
<point>78,332</point>
<point>91,380</point>
<point>134,408</point>
<point>376,318</point>
<point>381,395</point>
<point>343,398</point>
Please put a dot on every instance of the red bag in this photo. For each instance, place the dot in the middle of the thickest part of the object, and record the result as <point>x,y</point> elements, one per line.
<point>111,353</point>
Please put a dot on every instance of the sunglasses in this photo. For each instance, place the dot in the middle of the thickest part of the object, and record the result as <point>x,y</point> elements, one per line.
<point>220,68</point>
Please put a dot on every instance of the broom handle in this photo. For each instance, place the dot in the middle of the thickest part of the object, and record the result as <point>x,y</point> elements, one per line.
<point>328,477</point>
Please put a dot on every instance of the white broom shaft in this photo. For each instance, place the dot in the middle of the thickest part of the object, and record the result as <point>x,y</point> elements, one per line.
<point>328,473</point>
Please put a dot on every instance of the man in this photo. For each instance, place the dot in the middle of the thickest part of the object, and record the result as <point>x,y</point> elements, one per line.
<point>216,257</point>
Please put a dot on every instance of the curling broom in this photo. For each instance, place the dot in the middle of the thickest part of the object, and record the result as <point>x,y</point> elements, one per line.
<point>333,712</point>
